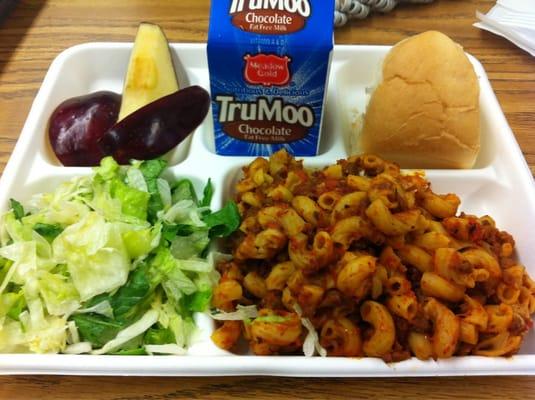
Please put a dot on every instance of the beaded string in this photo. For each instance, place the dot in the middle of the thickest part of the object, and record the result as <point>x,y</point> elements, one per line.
<point>360,9</point>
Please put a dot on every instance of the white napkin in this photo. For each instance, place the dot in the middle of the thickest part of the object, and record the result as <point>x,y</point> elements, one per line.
<point>512,19</point>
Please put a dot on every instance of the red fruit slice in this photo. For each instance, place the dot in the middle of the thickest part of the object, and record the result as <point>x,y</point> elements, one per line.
<point>77,125</point>
<point>156,128</point>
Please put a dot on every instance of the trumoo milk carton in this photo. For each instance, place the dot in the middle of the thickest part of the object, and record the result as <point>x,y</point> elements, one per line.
<point>268,62</point>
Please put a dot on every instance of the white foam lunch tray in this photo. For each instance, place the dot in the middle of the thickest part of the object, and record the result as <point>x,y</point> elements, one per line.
<point>500,185</point>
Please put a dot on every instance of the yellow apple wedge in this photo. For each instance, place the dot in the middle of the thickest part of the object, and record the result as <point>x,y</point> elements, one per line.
<point>150,73</point>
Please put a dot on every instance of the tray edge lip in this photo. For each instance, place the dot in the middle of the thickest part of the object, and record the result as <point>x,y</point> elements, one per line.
<point>249,365</point>
<point>527,361</point>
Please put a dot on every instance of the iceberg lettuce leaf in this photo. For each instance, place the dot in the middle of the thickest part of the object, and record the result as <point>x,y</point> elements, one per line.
<point>134,202</point>
<point>95,255</point>
<point>151,170</point>
<point>183,190</point>
<point>58,292</point>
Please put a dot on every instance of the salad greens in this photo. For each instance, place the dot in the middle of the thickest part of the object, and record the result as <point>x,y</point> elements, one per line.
<point>113,263</point>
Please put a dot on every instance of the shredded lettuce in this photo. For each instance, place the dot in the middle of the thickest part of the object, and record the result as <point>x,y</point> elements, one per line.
<point>242,313</point>
<point>140,242</point>
<point>12,304</point>
<point>164,190</point>
<point>165,349</point>
<point>95,254</point>
<point>134,202</point>
<point>116,262</point>
<point>24,257</point>
<point>184,190</point>
<point>58,292</point>
<point>312,342</point>
<point>136,180</point>
<point>72,331</point>
<point>151,171</point>
<point>275,319</point>
<point>184,247</point>
<point>78,348</point>
<point>129,333</point>
<point>103,308</point>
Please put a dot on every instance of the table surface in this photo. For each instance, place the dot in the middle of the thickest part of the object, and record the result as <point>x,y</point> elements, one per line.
<point>36,31</point>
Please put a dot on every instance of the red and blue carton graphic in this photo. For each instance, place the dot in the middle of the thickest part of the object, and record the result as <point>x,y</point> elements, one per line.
<point>269,62</point>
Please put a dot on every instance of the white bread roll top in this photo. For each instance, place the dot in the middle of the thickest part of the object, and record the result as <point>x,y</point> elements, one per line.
<point>425,111</point>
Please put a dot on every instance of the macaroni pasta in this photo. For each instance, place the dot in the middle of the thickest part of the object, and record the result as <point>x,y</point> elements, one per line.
<point>376,262</point>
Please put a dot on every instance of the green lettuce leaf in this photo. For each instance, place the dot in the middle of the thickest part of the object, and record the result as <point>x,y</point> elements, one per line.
<point>108,169</point>
<point>132,299</point>
<point>17,208</point>
<point>12,304</point>
<point>130,332</point>
<point>208,193</point>
<point>140,351</point>
<point>170,231</point>
<point>272,319</point>
<point>159,335</point>
<point>184,247</point>
<point>223,222</point>
<point>133,202</point>
<point>198,301</point>
<point>174,281</point>
<point>151,171</point>
<point>138,243</point>
<point>181,326</point>
<point>183,190</point>
<point>96,328</point>
<point>48,231</point>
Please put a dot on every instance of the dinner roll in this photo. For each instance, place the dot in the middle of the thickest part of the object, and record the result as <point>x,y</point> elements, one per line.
<point>425,111</point>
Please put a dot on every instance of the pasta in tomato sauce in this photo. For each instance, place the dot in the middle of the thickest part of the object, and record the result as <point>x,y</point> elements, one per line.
<point>366,260</point>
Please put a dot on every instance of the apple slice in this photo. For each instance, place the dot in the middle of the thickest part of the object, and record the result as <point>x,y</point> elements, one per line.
<point>156,128</point>
<point>77,124</point>
<point>150,73</point>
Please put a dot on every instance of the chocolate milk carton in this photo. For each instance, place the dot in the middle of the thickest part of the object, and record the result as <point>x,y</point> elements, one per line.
<point>268,62</point>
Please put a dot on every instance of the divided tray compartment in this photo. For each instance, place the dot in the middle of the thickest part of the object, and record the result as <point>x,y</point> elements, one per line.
<point>500,185</point>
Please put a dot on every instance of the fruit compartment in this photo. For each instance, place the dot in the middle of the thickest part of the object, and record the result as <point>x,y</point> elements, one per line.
<point>87,68</point>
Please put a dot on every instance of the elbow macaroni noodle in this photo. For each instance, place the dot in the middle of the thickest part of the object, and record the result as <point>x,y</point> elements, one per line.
<point>374,259</point>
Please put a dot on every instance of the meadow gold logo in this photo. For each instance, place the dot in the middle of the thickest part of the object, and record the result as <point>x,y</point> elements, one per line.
<point>266,69</point>
<point>270,16</point>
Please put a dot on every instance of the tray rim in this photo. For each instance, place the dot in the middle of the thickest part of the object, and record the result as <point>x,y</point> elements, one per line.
<point>331,367</point>
<point>230,365</point>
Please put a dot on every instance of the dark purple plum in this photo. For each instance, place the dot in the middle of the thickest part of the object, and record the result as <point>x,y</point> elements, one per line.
<point>156,128</point>
<point>77,125</point>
